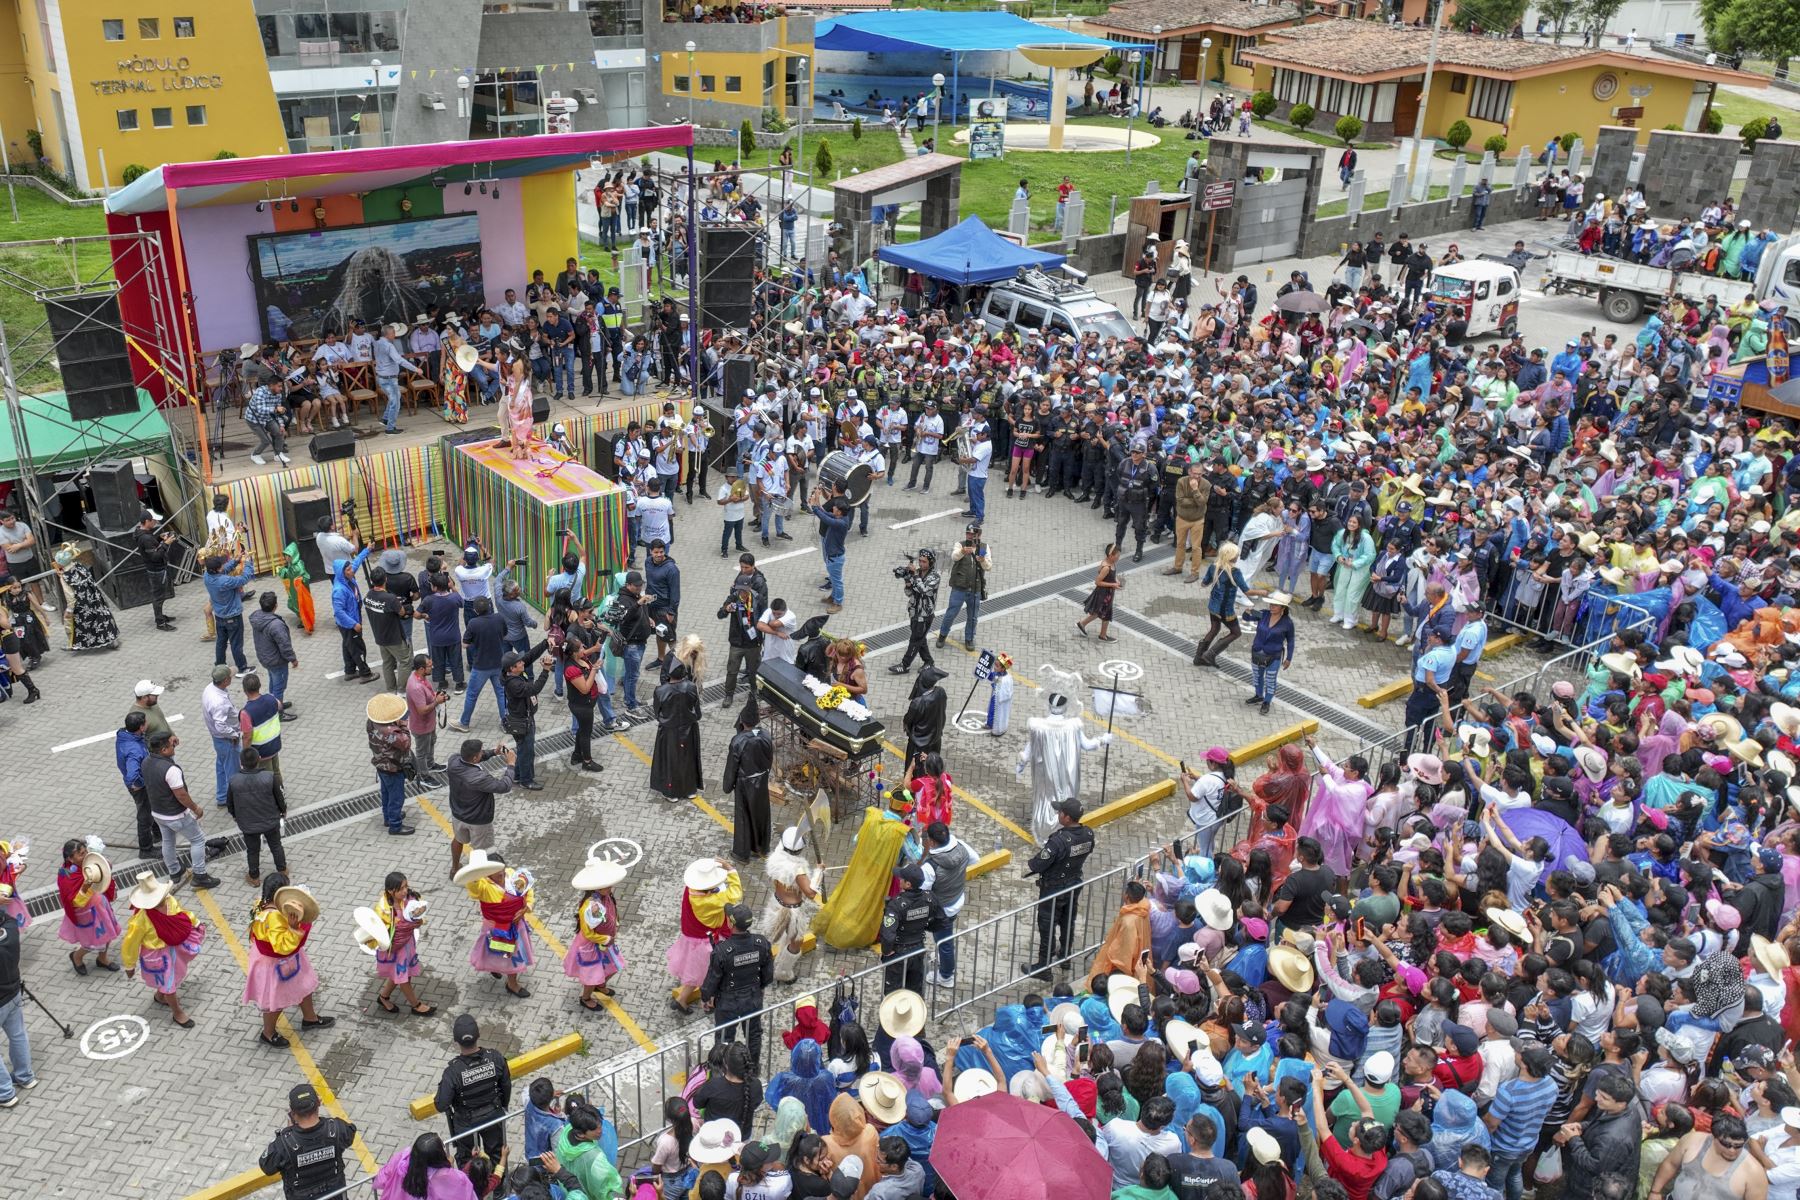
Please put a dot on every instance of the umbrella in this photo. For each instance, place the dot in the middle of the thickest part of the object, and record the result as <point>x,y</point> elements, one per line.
<point>1301,302</point>
<point>1358,323</point>
<point>999,1147</point>
<point>1527,823</point>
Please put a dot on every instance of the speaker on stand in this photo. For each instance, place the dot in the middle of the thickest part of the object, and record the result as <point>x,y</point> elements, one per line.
<point>737,375</point>
<point>729,255</point>
<point>114,485</point>
<point>300,513</point>
<point>120,568</point>
<point>91,354</point>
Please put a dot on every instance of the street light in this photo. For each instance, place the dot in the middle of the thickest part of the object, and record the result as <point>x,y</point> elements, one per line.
<point>375,70</point>
<point>463,83</point>
<point>1134,58</point>
<point>1152,58</point>
<point>1205,66</point>
<point>692,83</point>
<point>937,106</point>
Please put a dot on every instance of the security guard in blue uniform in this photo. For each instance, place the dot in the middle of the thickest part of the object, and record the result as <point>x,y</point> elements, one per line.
<point>1431,675</point>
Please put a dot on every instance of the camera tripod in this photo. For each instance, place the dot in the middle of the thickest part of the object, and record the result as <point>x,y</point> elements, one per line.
<point>67,1032</point>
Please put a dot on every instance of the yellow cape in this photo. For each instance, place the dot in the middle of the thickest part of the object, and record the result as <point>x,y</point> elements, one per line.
<point>852,914</point>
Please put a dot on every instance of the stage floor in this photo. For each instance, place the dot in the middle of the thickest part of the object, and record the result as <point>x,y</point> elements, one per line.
<point>416,429</point>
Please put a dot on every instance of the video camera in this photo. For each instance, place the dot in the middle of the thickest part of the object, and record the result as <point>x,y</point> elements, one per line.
<point>901,572</point>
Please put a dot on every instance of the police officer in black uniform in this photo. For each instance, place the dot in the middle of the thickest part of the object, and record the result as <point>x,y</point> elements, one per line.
<point>1137,491</point>
<point>1116,457</point>
<point>1058,867</point>
<point>476,1088</point>
<point>1093,460</point>
<point>742,966</point>
<point>904,922</point>
<point>308,1153</point>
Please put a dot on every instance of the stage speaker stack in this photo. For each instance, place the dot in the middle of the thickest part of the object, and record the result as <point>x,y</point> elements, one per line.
<point>540,407</point>
<point>737,375</point>
<point>114,484</point>
<point>300,513</point>
<point>728,260</point>
<point>328,444</point>
<point>90,352</point>
<point>602,458</point>
<point>118,567</point>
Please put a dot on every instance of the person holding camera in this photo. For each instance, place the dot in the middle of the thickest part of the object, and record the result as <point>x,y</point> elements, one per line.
<point>970,562</point>
<point>472,792</point>
<point>920,579</point>
<point>747,598</point>
<point>521,689</point>
<point>833,512</point>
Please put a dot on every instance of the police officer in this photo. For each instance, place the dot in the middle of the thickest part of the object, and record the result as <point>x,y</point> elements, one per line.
<point>1137,490</point>
<point>1093,459</point>
<point>476,1088</point>
<point>612,325</point>
<point>1116,457</point>
<point>308,1153</point>
<point>1431,677</point>
<point>742,966</point>
<point>1058,867</point>
<point>904,923</point>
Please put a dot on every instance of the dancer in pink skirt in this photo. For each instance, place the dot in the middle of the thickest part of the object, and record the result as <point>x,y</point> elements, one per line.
<point>161,938</point>
<point>85,886</point>
<point>281,975</point>
<point>710,886</point>
<point>12,865</point>
<point>518,410</point>
<point>593,956</point>
<point>402,911</point>
<point>503,946</point>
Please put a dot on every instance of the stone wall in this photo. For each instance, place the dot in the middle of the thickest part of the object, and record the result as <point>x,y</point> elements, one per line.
<point>1772,190</point>
<point>1685,171</point>
<point>1613,150</point>
<point>1433,218</point>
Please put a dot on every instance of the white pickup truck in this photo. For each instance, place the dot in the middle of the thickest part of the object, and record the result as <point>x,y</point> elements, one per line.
<point>1625,289</point>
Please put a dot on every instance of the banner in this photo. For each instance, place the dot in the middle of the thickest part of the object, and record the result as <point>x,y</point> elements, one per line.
<point>987,127</point>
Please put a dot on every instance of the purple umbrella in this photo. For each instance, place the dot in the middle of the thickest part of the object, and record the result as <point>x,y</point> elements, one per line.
<point>1527,823</point>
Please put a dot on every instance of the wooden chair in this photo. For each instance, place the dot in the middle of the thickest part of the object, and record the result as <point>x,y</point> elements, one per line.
<point>419,389</point>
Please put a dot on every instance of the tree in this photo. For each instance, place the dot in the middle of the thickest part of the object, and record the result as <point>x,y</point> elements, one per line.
<point>132,171</point>
<point>1495,145</point>
<point>1559,14</point>
<point>822,162</point>
<point>1567,142</point>
<point>1711,121</point>
<point>1495,16</point>
<point>1756,29</point>
<point>1596,15</point>
<point>1112,63</point>
<point>1263,103</point>
<point>856,129</point>
<point>1348,129</point>
<point>1458,135</point>
<point>1301,115</point>
<point>746,138</point>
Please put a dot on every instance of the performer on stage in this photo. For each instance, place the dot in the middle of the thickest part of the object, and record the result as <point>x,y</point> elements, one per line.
<point>503,944</point>
<point>675,765</point>
<point>747,765</point>
<point>402,911</point>
<point>1053,749</point>
<point>12,865</point>
<point>593,957</point>
<point>709,887</point>
<point>453,377</point>
<point>85,886</point>
<point>161,938</point>
<point>518,410</point>
<point>281,976</point>
<point>1000,698</point>
<point>87,618</point>
<point>793,900</point>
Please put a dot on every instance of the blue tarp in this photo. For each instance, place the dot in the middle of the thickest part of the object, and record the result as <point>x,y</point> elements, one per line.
<point>967,253</point>
<point>911,30</point>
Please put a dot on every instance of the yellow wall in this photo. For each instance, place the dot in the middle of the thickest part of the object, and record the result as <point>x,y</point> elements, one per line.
<point>1555,104</point>
<point>225,70</point>
<point>547,205</point>
<point>719,64</point>
<point>15,94</point>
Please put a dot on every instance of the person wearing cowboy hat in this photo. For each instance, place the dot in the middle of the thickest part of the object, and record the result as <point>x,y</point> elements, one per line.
<point>85,889</point>
<point>162,939</point>
<point>709,887</point>
<point>390,750</point>
<point>593,956</point>
<point>280,974</point>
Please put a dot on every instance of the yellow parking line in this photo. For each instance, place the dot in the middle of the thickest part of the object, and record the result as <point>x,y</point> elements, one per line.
<point>302,1057</point>
<point>1000,818</point>
<point>700,802</point>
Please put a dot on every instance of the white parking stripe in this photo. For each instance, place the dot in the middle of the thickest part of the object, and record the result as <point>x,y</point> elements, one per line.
<point>98,737</point>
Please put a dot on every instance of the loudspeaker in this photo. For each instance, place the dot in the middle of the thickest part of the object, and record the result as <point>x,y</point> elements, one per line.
<point>300,513</point>
<point>737,374</point>
<point>602,460</point>
<point>328,444</point>
<point>721,448</point>
<point>114,484</point>
<point>728,261</point>
<point>540,407</point>
<point>90,352</point>
<point>120,568</point>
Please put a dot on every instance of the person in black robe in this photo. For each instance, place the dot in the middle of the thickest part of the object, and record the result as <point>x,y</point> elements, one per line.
<point>811,657</point>
<point>675,765</point>
<point>747,765</point>
<point>925,714</point>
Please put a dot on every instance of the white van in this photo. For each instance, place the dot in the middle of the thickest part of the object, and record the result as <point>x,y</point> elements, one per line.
<point>1038,301</point>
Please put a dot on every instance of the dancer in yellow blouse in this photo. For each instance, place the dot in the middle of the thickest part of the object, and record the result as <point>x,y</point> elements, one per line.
<point>281,975</point>
<point>161,938</point>
<point>401,914</point>
<point>503,946</point>
<point>593,956</point>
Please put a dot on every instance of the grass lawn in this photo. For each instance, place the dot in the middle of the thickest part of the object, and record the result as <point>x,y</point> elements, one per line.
<point>1736,109</point>
<point>1320,137</point>
<point>1377,201</point>
<point>31,267</point>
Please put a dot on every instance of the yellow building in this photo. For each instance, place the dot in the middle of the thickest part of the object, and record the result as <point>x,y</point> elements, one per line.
<point>1527,91</point>
<point>1181,29</point>
<point>109,87</point>
<point>736,71</point>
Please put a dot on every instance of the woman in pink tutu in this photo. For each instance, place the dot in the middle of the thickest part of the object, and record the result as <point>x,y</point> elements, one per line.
<point>281,976</point>
<point>161,939</point>
<point>402,912</point>
<point>518,409</point>
<point>710,886</point>
<point>12,865</point>
<point>593,956</point>
<point>85,886</point>
<point>503,946</point>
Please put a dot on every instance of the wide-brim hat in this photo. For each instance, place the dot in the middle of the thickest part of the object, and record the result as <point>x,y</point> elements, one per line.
<point>1429,768</point>
<point>1612,575</point>
<point>1772,957</point>
<point>481,864</point>
<point>1745,750</point>
<point>1725,727</point>
<point>293,895</point>
<point>1786,717</point>
<point>1214,907</point>
<point>1621,663</point>
<point>1263,1146</point>
<point>716,1141</point>
<point>902,1013</point>
<point>466,357</point>
<point>1183,1037</point>
<point>1067,1016</point>
<point>386,708</point>
<point>1292,968</point>
<point>1592,763</point>
<point>1588,542</point>
<point>884,1096</point>
<point>96,872</point>
<point>596,874</point>
<point>151,891</point>
<point>1781,760</point>
<point>1510,921</point>
<point>249,350</point>
<point>1279,600</point>
<point>704,874</point>
<point>1475,740</point>
<point>1686,660</point>
<point>1121,990</point>
<point>974,1083</point>
<point>371,931</point>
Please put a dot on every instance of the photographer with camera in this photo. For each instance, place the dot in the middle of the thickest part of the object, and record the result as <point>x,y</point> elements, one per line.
<point>472,792</point>
<point>920,579</point>
<point>744,602</point>
<point>970,562</point>
<point>828,504</point>
<point>633,619</point>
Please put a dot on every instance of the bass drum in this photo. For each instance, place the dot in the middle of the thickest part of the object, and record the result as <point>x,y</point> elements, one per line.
<point>844,469</point>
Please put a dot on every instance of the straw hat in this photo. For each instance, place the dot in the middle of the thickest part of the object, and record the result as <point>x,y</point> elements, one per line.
<point>466,358</point>
<point>1725,727</point>
<point>1780,760</point>
<point>1591,762</point>
<point>1746,751</point>
<point>1120,991</point>
<point>1476,740</point>
<point>884,1096</point>
<point>1772,957</point>
<point>1588,542</point>
<point>386,708</point>
<point>96,872</point>
<point>1215,909</point>
<point>1067,1017</point>
<point>1622,664</point>
<point>973,1083</point>
<point>716,1141</point>
<point>1612,575</point>
<point>1786,717</point>
<point>1183,1037</point>
<point>902,1013</point>
<point>149,893</point>
<point>249,350</point>
<point>1510,921</point>
<point>1411,486</point>
<point>596,875</point>
<point>1443,497</point>
<point>1291,968</point>
<point>1685,660</point>
<point>294,897</point>
<point>480,865</point>
<point>372,933</point>
<point>704,874</point>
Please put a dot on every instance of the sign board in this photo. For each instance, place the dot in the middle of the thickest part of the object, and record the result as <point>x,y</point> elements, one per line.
<point>987,127</point>
<point>984,665</point>
<point>1215,196</point>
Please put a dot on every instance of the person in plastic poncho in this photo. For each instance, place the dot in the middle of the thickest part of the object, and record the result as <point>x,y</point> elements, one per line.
<point>852,913</point>
<point>1053,749</point>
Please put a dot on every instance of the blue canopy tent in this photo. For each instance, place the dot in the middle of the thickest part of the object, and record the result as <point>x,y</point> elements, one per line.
<point>910,31</point>
<point>967,253</point>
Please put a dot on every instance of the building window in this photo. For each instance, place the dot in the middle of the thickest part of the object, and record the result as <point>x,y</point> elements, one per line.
<point>615,19</point>
<point>768,77</point>
<point>149,28</point>
<point>707,84</point>
<point>681,83</point>
<point>127,119</point>
<point>184,27</point>
<point>162,118</point>
<point>506,104</point>
<point>1491,100</point>
<point>322,39</point>
<point>1240,45</point>
<point>196,114</point>
<point>43,16</point>
<point>734,83</point>
<point>1459,83</point>
<point>112,31</point>
<point>336,121</point>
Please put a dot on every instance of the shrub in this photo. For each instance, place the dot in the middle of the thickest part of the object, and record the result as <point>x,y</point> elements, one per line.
<point>1495,145</point>
<point>1112,63</point>
<point>35,139</point>
<point>1753,131</point>
<point>1263,103</point>
<point>1712,122</point>
<point>1674,126</point>
<point>132,172</point>
<point>224,154</point>
<point>746,138</point>
<point>1458,135</point>
<point>856,129</point>
<point>822,162</point>
<point>773,121</point>
<point>1567,141</point>
<point>1301,115</point>
<point>1348,129</point>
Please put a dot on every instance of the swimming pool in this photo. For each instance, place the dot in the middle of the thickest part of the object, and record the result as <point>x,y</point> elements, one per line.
<point>864,95</point>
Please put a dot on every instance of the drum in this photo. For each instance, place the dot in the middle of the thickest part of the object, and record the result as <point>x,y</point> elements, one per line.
<point>847,471</point>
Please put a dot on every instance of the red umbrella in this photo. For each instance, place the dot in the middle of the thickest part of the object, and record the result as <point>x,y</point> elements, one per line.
<point>999,1147</point>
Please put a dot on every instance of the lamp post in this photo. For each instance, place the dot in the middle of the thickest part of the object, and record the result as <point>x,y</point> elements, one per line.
<point>1150,59</point>
<point>1134,58</point>
<point>463,83</point>
<point>1412,157</point>
<point>937,106</point>
<point>1205,66</point>
<point>375,82</point>
<point>692,82</point>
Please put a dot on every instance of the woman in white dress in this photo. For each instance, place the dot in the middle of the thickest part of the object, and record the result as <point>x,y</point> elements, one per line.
<point>1261,532</point>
